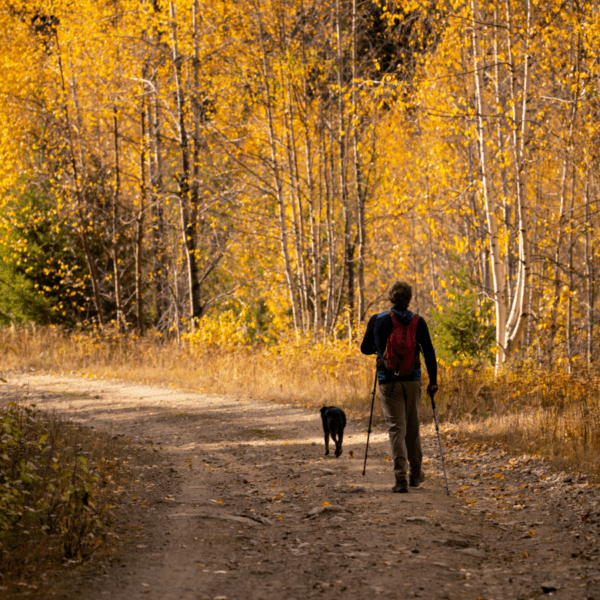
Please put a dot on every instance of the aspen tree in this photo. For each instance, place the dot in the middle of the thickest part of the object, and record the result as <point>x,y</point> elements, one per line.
<point>80,204</point>
<point>509,327</point>
<point>187,193</point>
<point>277,171</point>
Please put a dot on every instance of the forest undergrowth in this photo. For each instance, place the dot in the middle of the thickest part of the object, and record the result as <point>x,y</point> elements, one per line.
<point>552,414</point>
<point>58,485</point>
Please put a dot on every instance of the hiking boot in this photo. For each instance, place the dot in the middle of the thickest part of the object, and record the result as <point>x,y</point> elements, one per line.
<point>401,486</point>
<point>416,480</point>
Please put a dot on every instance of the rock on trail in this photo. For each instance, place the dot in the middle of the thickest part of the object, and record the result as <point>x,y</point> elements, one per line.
<point>238,502</point>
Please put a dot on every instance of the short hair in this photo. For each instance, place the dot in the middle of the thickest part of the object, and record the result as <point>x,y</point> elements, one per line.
<point>400,294</point>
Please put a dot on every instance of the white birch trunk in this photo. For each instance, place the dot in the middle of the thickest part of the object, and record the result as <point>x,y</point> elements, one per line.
<point>518,313</point>
<point>498,281</point>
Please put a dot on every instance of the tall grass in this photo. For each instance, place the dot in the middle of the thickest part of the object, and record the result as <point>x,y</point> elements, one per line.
<point>306,374</point>
<point>553,414</point>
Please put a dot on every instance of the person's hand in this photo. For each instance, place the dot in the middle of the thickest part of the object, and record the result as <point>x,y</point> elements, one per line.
<point>432,388</point>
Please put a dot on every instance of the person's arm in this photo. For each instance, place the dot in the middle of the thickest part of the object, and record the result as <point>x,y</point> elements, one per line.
<point>424,340</point>
<point>368,344</point>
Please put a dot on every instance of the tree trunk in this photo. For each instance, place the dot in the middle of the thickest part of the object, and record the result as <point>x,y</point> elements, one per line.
<point>116,235</point>
<point>498,280</point>
<point>187,192</point>
<point>518,312</point>
<point>160,264</point>
<point>563,212</point>
<point>589,278</point>
<point>342,133</point>
<point>361,185</point>
<point>296,208</point>
<point>500,124</point>
<point>139,226</point>
<point>79,201</point>
<point>278,184</point>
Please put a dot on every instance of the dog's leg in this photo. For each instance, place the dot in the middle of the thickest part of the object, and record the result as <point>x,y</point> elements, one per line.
<point>338,443</point>
<point>326,442</point>
<point>334,437</point>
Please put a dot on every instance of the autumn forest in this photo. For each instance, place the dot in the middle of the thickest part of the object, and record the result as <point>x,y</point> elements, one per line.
<point>282,162</point>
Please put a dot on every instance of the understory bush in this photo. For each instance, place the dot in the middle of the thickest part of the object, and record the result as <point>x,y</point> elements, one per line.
<point>54,498</point>
<point>464,331</point>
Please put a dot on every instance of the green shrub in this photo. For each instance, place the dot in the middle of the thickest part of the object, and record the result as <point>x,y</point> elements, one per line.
<point>464,332</point>
<point>50,497</point>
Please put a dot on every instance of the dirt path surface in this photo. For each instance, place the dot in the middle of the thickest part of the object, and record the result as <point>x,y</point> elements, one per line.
<point>239,503</point>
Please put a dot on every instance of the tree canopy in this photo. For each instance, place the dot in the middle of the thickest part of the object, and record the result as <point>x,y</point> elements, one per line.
<point>165,162</point>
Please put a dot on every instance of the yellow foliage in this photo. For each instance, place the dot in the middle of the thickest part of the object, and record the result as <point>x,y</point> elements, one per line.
<point>226,332</point>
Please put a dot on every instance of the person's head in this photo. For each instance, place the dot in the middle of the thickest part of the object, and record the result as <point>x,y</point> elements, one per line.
<point>400,294</point>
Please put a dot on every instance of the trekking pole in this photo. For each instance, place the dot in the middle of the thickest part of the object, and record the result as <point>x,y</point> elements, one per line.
<point>370,420</point>
<point>431,395</point>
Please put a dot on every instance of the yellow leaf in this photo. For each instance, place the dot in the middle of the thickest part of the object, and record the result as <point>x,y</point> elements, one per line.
<point>325,503</point>
<point>525,554</point>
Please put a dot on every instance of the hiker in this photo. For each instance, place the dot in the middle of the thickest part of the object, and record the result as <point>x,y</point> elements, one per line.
<point>401,393</point>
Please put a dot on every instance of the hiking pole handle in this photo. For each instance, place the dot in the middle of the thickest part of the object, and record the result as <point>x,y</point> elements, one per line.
<point>431,391</point>
<point>370,421</point>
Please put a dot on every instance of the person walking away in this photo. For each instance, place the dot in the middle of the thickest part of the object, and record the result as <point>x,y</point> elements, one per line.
<point>399,381</point>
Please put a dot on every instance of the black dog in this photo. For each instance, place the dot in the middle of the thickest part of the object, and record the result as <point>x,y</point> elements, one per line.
<point>334,421</point>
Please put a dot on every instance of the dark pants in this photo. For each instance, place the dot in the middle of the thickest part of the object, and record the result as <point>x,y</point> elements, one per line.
<point>400,403</point>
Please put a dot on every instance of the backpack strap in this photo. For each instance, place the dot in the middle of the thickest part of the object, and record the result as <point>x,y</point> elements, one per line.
<point>414,324</point>
<point>413,327</point>
<point>397,323</point>
<point>414,321</point>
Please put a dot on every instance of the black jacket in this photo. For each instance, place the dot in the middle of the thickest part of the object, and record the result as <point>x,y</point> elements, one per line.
<point>378,330</point>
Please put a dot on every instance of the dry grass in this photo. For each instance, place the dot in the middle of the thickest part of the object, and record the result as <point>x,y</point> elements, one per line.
<point>554,415</point>
<point>285,374</point>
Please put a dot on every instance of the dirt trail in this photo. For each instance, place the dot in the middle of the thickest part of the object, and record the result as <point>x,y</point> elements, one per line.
<point>239,503</point>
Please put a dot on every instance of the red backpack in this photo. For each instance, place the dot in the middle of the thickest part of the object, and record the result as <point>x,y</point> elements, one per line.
<point>400,355</point>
